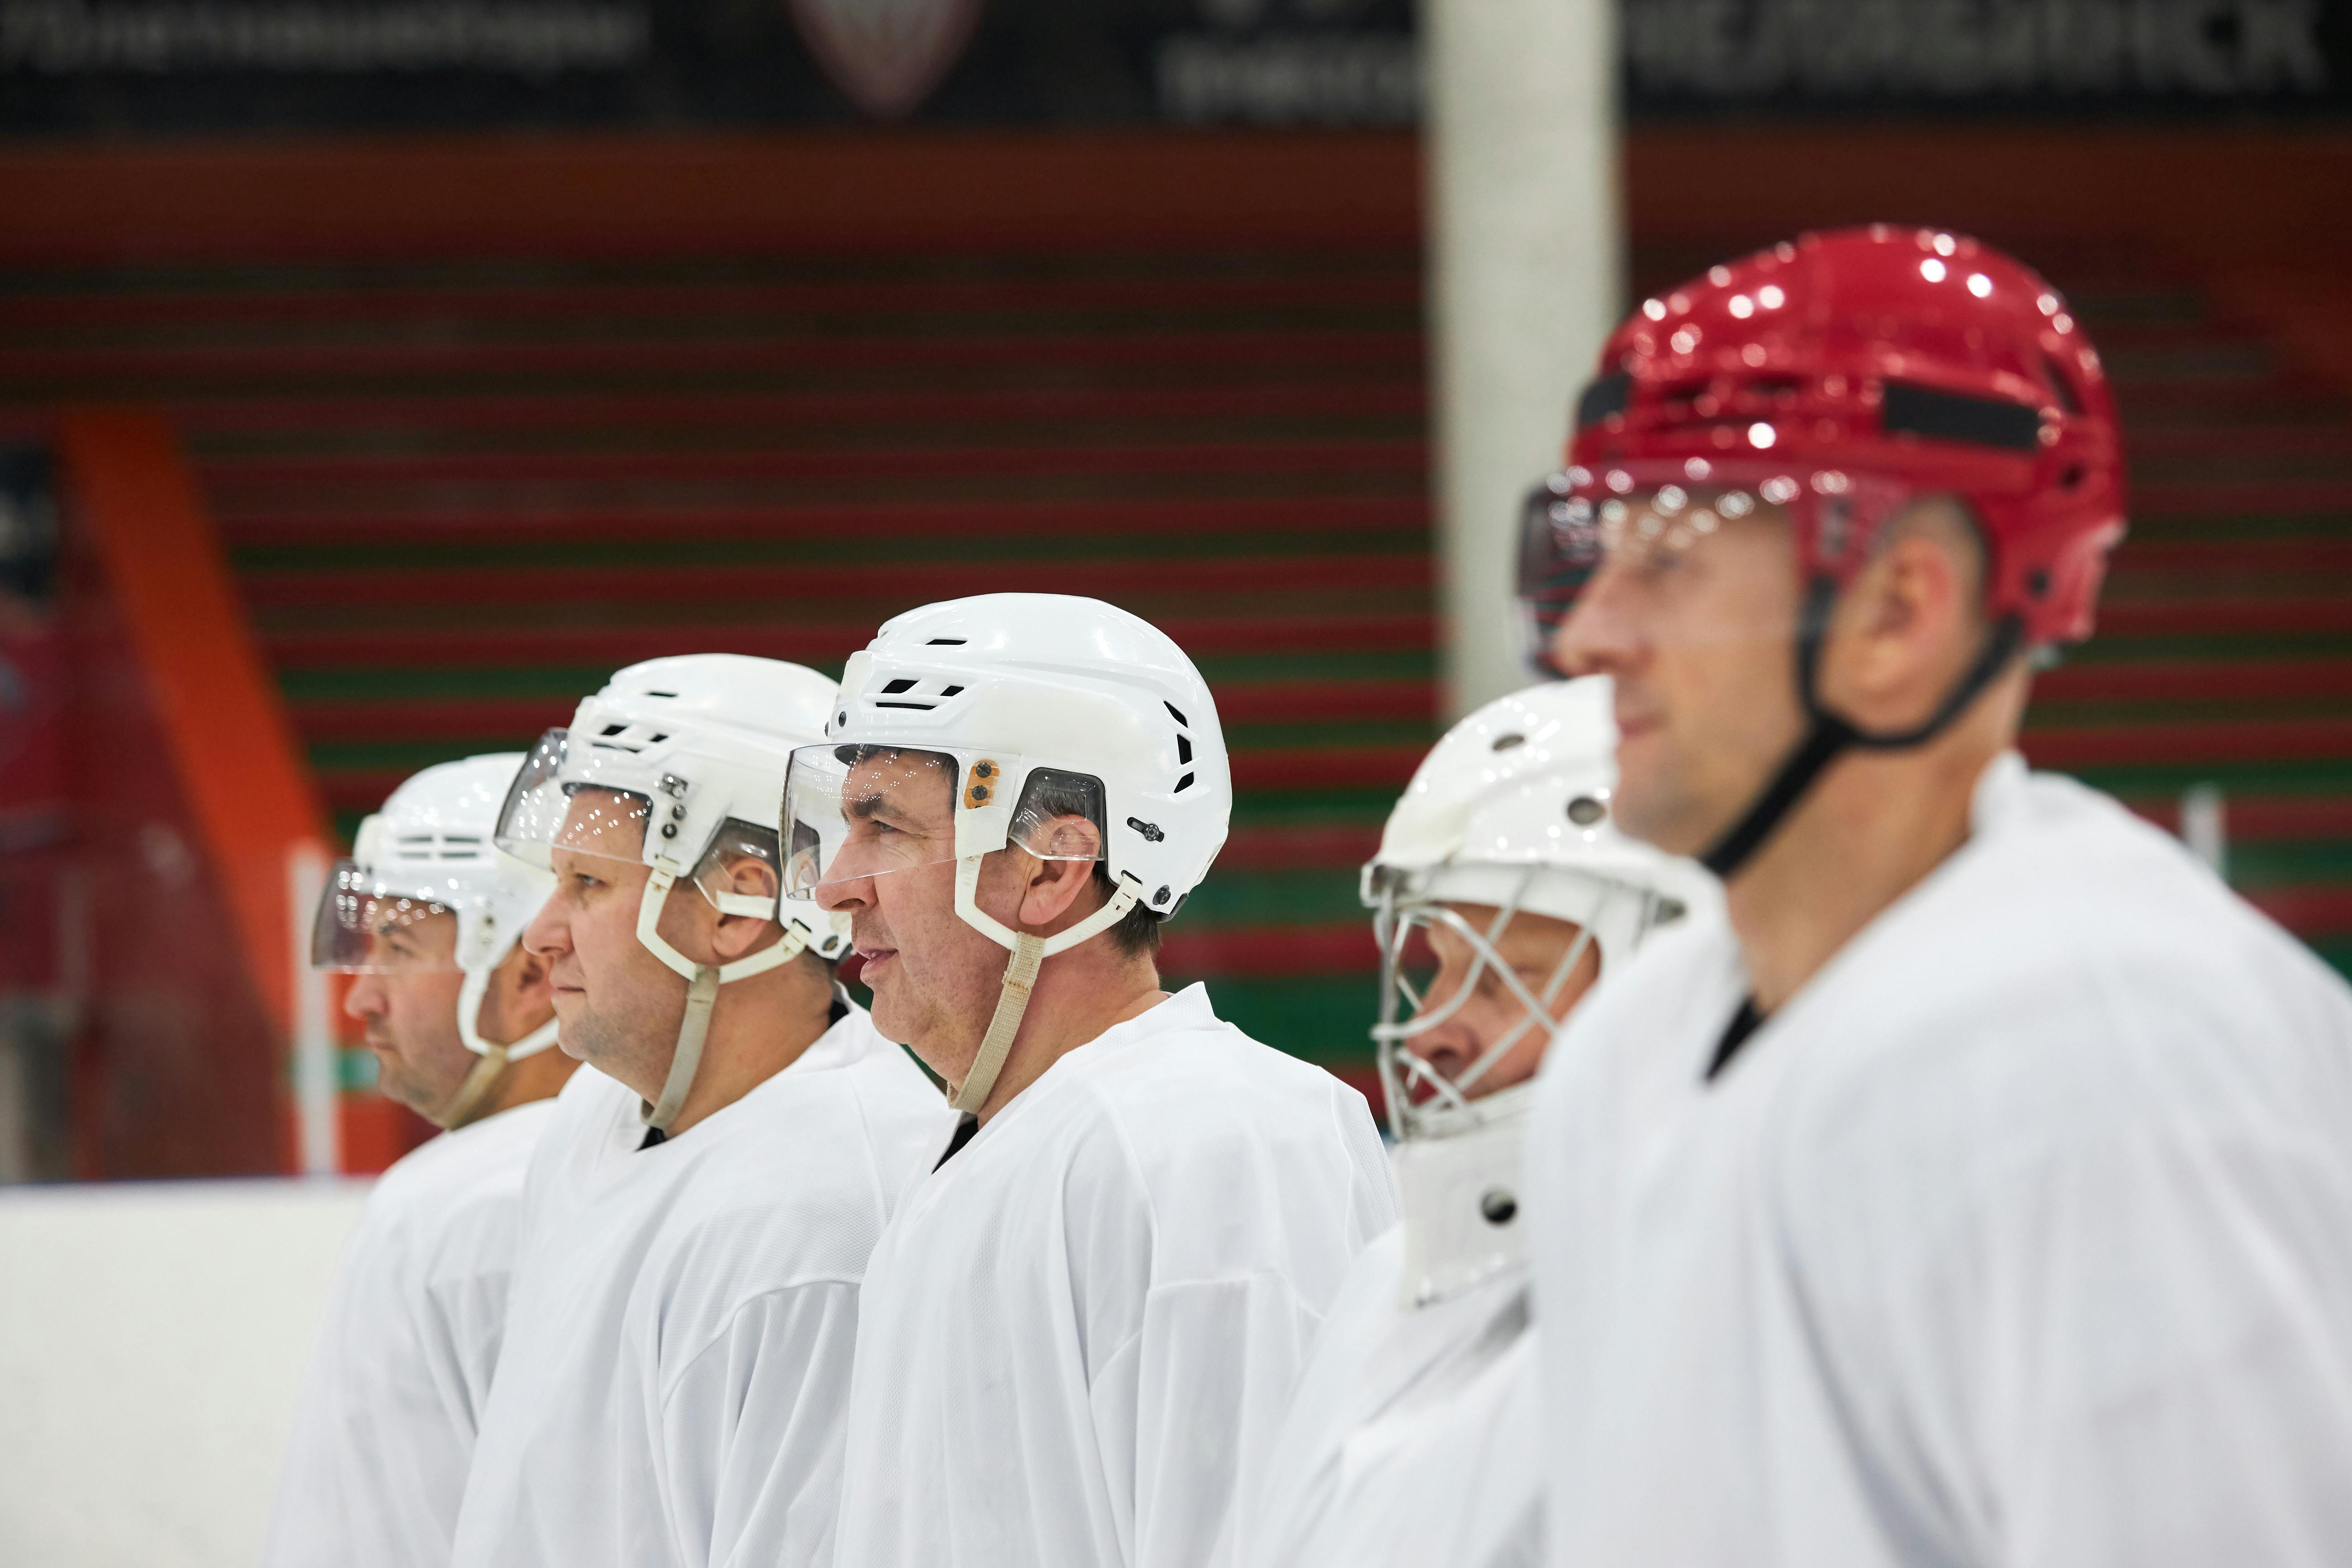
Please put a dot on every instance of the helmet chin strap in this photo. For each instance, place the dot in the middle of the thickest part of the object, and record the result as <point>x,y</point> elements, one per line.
<point>1827,735</point>
<point>461,1107</point>
<point>703,981</point>
<point>1029,951</point>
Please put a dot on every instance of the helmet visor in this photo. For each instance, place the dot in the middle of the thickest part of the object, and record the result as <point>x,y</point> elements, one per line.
<point>855,811</point>
<point>369,923</point>
<point>584,806</point>
<point>1638,520</point>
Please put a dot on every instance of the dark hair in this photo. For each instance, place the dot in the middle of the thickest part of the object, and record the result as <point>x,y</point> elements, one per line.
<point>1052,793</point>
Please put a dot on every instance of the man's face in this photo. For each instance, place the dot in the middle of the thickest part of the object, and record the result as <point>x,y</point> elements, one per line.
<point>935,979</point>
<point>615,1003</point>
<point>1532,947</point>
<point>407,999</point>
<point>1700,643</point>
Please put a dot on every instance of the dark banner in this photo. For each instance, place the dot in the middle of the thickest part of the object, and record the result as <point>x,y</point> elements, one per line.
<point>149,66</point>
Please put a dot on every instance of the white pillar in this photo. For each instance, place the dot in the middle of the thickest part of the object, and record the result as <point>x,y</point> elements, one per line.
<point>1527,276</point>
<point>317,1093</point>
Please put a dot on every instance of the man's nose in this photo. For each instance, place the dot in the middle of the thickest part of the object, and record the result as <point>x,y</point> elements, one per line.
<point>365,999</point>
<point>546,934</point>
<point>1596,638</point>
<point>844,888</point>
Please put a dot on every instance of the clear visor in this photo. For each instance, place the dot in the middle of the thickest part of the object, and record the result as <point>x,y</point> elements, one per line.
<point>1639,521</point>
<point>1436,957</point>
<point>591,806</point>
<point>853,811</point>
<point>370,924</point>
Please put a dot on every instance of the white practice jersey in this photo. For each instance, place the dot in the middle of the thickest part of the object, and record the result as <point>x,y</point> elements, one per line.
<point>679,1348</point>
<point>1080,1330</point>
<point>386,1426</point>
<point>2021,1237</point>
<point>1413,1437</point>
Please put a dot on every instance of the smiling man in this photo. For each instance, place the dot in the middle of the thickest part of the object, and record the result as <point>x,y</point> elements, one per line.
<point>1079,1329</point>
<point>1976,1190</point>
<point>699,1211</point>
<point>425,918</point>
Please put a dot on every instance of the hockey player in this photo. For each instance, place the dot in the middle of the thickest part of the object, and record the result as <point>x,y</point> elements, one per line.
<point>1414,1435</point>
<point>425,916</point>
<point>1978,1189</point>
<point>1078,1330</point>
<point>699,1211</point>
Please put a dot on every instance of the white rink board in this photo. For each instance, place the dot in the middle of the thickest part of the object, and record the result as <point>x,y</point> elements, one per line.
<point>151,1338</point>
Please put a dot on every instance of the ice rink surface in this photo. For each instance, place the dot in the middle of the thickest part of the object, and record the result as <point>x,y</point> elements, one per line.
<point>152,1337</point>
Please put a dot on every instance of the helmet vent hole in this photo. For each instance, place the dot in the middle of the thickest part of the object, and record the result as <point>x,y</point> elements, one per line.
<point>896,687</point>
<point>1184,748</point>
<point>614,729</point>
<point>951,691</point>
<point>1174,714</point>
<point>945,642</point>
<point>1511,743</point>
<point>1182,784</point>
<point>1584,811</point>
<point>668,694</point>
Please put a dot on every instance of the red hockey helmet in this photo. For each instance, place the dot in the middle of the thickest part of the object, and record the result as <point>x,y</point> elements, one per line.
<point>1839,375</point>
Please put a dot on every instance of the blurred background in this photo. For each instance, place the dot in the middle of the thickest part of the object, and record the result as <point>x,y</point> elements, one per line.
<point>378,375</point>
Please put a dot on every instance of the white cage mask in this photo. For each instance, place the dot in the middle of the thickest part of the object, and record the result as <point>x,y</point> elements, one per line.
<point>1509,815</point>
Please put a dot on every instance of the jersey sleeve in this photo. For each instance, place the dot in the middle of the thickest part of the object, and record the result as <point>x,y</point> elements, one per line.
<point>751,1431</point>
<point>1193,1399</point>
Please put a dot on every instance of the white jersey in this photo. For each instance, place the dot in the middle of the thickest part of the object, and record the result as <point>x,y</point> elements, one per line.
<point>1413,1437</point>
<point>385,1425</point>
<point>1079,1330</point>
<point>678,1347</point>
<point>2022,1236</point>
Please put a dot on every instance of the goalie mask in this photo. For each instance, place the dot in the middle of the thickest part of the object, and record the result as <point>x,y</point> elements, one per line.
<point>676,765</point>
<point>1508,813</point>
<point>1062,726</point>
<point>427,855</point>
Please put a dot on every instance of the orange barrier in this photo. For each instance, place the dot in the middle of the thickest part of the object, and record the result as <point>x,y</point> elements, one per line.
<point>195,794</point>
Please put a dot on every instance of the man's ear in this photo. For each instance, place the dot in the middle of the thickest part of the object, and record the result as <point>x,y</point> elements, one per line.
<point>1906,632</point>
<point>1055,889</point>
<point>521,995</point>
<point>736,935</point>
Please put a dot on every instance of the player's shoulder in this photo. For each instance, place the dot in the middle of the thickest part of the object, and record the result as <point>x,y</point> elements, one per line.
<point>852,1089</point>
<point>796,1180</point>
<point>2067,902</point>
<point>2073,979</point>
<point>456,1201</point>
<point>1192,1084</point>
<point>490,1155</point>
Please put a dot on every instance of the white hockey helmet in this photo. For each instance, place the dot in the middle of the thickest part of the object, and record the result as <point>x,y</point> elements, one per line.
<point>1016,707</point>
<point>1512,811</point>
<point>683,759</point>
<point>429,852</point>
